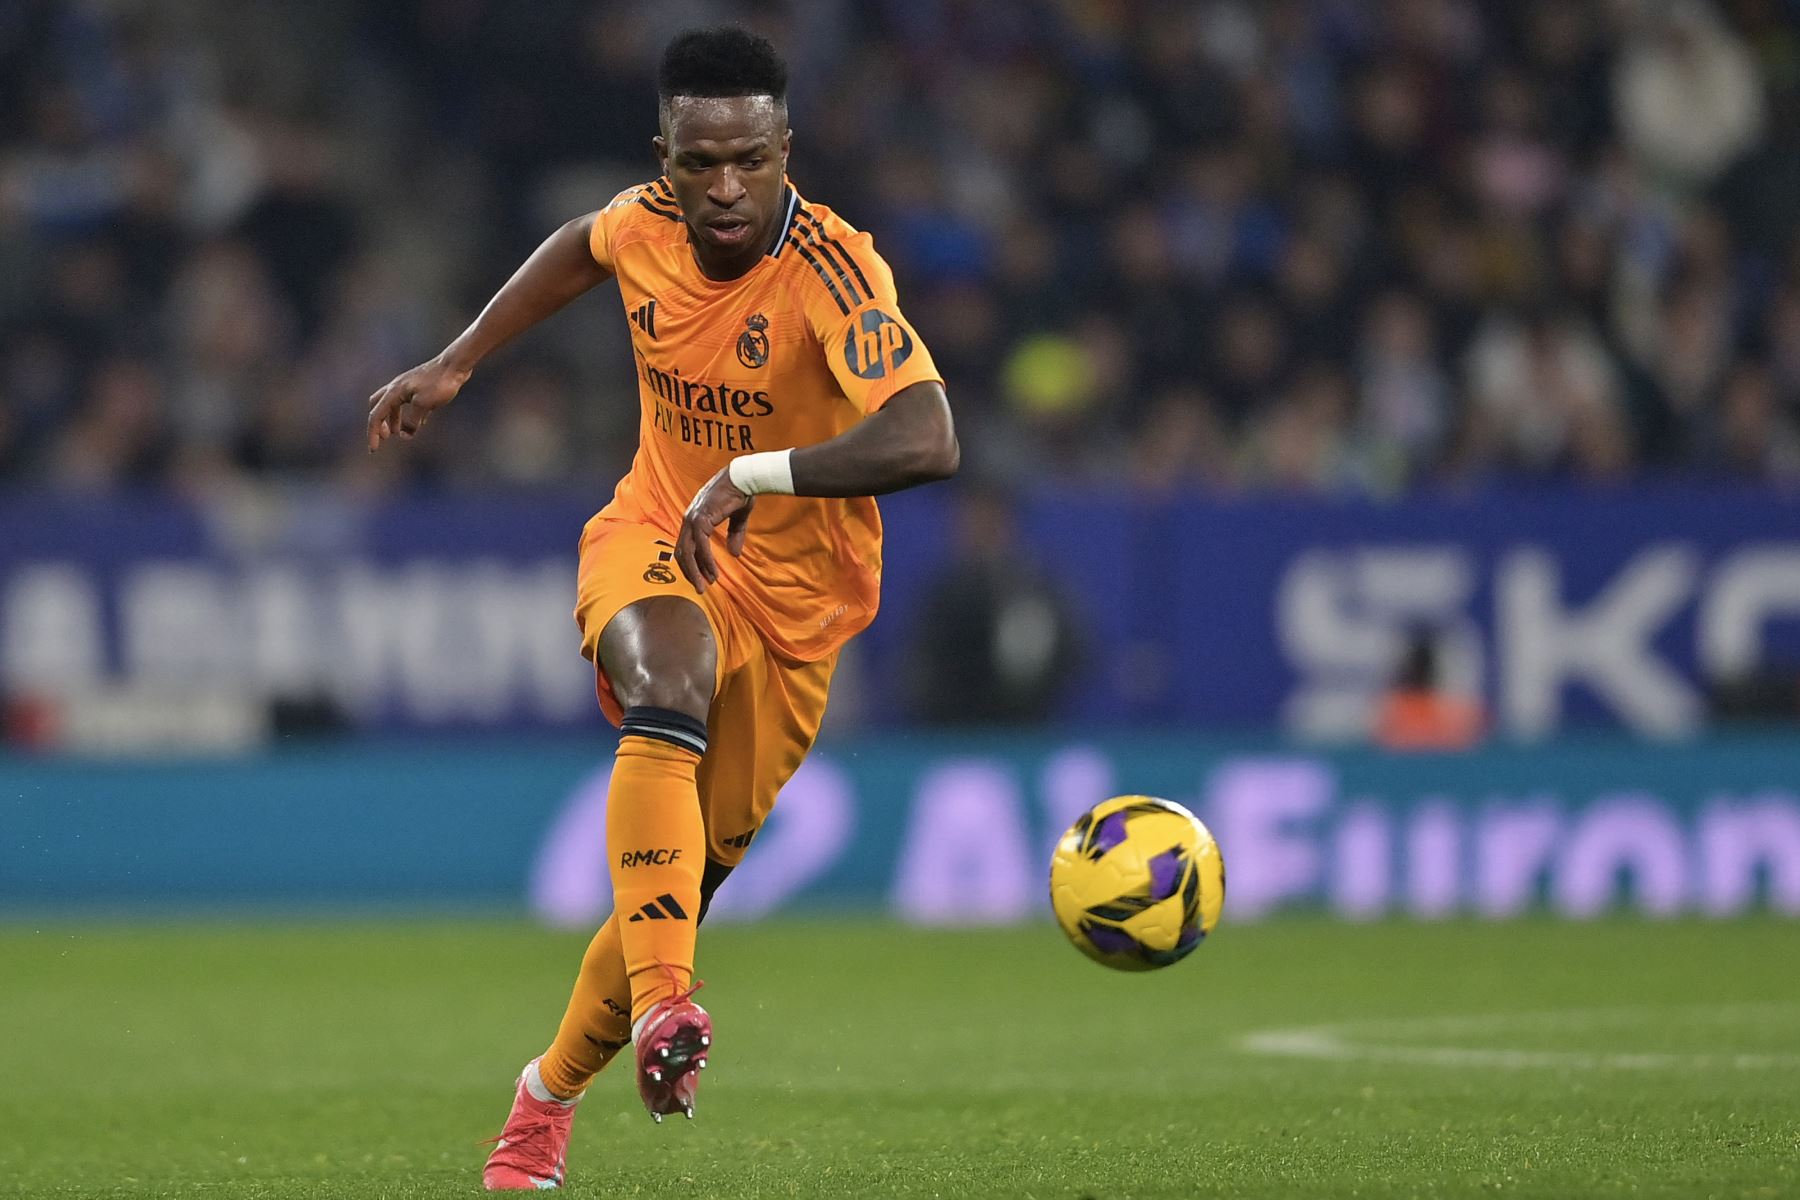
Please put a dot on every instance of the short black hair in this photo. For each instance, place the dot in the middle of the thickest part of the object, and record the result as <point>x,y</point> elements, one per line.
<point>722,61</point>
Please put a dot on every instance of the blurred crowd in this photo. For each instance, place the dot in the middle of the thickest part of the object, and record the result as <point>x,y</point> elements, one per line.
<point>1290,244</point>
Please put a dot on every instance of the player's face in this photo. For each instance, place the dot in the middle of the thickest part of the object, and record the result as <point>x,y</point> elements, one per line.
<point>726,157</point>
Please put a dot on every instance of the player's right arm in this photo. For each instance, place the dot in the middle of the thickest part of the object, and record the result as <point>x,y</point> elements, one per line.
<point>564,267</point>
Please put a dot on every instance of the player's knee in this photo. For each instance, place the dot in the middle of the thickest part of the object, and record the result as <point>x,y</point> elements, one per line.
<point>660,654</point>
<point>671,688</point>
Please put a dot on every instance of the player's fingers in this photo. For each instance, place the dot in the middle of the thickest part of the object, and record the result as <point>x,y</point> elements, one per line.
<point>378,419</point>
<point>684,555</point>
<point>738,528</point>
<point>703,553</point>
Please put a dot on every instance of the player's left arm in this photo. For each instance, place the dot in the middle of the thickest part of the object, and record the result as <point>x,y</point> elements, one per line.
<point>910,440</point>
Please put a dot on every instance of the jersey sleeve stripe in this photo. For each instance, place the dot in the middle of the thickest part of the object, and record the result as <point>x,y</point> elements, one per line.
<point>819,232</point>
<point>662,189</point>
<point>824,249</point>
<point>661,212</point>
<point>820,268</point>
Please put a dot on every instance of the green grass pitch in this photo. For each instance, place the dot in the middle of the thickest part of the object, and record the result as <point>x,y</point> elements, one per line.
<point>860,1059</point>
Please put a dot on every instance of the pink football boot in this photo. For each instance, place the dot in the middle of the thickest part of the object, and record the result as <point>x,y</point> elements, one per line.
<point>672,1041</point>
<point>528,1154</point>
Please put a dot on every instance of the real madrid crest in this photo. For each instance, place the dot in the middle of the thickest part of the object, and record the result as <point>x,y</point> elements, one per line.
<point>753,343</point>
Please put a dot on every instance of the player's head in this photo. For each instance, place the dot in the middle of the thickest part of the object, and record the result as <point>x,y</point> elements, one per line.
<point>724,138</point>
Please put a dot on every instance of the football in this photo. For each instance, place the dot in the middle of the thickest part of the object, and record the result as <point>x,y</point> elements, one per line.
<point>1137,883</point>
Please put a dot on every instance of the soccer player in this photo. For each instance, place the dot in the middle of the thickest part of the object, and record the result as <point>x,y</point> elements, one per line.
<point>780,390</point>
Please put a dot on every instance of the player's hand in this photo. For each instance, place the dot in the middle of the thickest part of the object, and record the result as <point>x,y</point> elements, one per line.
<point>718,501</point>
<point>403,406</point>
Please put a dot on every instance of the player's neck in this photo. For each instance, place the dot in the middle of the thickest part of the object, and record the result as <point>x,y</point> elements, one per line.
<point>723,269</point>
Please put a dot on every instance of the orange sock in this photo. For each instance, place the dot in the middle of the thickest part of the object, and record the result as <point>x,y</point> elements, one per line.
<point>597,1023</point>
<point>656,850</point>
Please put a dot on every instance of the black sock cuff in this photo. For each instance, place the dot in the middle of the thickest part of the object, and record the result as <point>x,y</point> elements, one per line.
<point>665,725</point>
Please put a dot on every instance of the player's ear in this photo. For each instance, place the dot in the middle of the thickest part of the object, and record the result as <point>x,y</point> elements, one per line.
<point>660,148</point>
<point>787,145</point>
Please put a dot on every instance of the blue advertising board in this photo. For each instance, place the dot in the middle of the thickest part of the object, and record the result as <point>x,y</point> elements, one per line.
<point>1560,609</point>
<point>934,830</point>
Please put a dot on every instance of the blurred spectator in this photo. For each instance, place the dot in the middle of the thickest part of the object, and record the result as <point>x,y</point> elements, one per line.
<point>996,643</point>
<point>1688,93</point>
<point>1750,437</point>
<point>1302,441</point>
<point>528,441</point>
<point>1783,341</point>
<point>1404,393</point>
<point>1309,244</point>
<point>1251,356</point>
<point>232,332</point>
<point>118,436</point>
<point>1537,382</point>
<point>1181,443</point>
<point>298,225</point>
<point>1418,712</point>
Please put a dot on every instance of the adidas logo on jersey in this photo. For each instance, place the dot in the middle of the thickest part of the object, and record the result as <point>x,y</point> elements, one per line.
<point>644,317</point>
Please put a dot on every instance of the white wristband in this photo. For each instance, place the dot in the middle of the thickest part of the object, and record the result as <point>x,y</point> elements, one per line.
<point>763,472</point>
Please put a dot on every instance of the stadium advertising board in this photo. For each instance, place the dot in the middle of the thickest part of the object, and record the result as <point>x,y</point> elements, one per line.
<point>1561,610</point>
<point>936,831</point>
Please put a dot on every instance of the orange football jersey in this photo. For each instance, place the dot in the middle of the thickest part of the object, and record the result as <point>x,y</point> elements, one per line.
<point>792,353</point>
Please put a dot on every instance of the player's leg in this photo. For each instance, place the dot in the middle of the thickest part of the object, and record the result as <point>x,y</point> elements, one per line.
<point>667,662</point>
<point>597,1023</point>
<point>622,567</point>
<point>660,658</point>
<point>764,721</point>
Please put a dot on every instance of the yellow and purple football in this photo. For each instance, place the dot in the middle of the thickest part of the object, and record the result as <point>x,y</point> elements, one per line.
<point>1137,883</point>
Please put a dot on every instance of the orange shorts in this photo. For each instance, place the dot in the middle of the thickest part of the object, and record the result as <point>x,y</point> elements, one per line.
<point>766,708</point>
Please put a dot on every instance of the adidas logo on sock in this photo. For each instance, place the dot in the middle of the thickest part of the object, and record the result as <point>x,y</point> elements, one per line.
<point>662,908</point>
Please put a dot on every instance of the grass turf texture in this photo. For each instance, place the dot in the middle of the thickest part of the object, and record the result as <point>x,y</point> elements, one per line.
<point>860,1059</point>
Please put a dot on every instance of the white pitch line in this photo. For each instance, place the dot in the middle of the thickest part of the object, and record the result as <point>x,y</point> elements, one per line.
<point>1340,1043</point>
